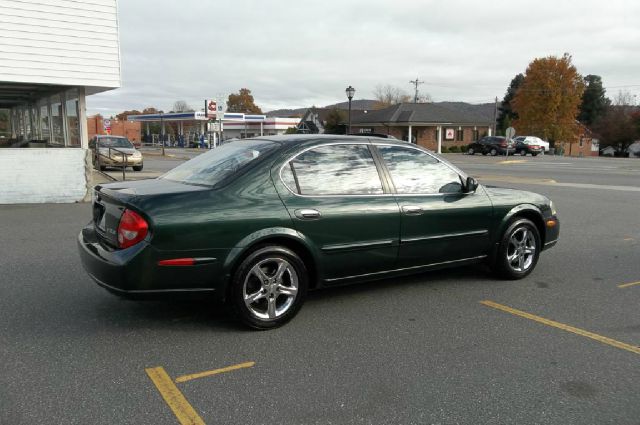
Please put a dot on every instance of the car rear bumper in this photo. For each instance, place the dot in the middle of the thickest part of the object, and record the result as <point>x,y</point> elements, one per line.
<point>134,272</point>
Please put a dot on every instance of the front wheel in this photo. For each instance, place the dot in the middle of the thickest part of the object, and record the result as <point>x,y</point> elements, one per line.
<point>519,250</point>
<point>137,167</point>
<point>269,287</point>
<point>471,151</point>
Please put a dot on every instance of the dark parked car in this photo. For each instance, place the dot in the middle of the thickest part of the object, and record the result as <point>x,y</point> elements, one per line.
<point>260,221</point>
<point>492,145</point>
<point>524,147</point>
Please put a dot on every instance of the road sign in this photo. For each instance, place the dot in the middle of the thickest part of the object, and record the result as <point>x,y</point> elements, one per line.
<point>510,133</point>
<point>212,107</point>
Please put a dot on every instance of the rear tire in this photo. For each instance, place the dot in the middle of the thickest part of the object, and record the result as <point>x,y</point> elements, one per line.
<point>471,151</point>
<point>518,251</point>
<point>137,167</point>
<point>493,152</point>
<point>269,287</point>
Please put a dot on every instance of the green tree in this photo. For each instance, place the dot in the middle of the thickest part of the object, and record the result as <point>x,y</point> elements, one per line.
<point>291,130</point>
<point>619,126</point>
<point>506,114</point>
<point>547,102</point>
<point>594,102</point>
<point>334,124</point>
<point>242,102</point>
<point>122,116</point>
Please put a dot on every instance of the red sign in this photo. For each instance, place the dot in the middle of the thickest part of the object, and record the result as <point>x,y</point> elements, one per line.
<point>211,107</point>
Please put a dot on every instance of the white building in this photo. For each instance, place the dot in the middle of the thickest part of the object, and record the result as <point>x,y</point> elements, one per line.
<point>53,53</point>
<point>269,126</point>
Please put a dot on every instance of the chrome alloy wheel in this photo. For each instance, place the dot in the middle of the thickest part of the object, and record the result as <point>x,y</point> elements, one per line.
<point>521,249</point>
<point>270,288</point>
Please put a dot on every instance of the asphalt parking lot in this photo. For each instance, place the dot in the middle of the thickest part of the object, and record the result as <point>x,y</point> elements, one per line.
<point>449,347</point>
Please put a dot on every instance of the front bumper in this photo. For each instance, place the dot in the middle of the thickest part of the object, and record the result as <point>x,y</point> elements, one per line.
<point>552,232</point>
<point>118,162</point>
<point>134,272</point>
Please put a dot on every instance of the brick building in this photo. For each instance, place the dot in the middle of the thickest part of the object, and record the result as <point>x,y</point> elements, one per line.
<point>129,129</point>
<point>426,124</point>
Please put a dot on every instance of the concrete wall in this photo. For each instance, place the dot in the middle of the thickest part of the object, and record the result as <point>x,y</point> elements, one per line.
<point>65,42</point>
<point>37,175</point>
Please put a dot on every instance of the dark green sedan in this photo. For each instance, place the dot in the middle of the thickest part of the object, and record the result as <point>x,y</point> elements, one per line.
<point>258,222</point>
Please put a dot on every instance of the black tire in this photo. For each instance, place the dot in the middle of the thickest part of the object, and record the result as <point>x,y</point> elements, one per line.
<point>470,151</point>
<point>534,154</point>
<point>493,152</point>
<point>523,152</point>
<point>511,249</point>
<point>137,167</point>
<point>258,314</point>
<point>103,168</point>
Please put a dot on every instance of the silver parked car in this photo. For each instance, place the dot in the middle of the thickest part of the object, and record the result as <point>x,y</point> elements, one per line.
<point>115,151</point>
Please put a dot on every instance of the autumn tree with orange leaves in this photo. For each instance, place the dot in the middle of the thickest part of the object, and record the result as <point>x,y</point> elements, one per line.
<point>548,101</point>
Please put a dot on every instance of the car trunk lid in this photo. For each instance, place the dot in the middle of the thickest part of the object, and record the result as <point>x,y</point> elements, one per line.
<point>111,200</point>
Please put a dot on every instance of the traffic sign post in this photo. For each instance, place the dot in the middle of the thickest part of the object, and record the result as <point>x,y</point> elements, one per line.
<point>509,134</point>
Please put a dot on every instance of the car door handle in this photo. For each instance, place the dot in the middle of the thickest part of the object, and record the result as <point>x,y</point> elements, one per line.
<point>307,214</point>
<point>412,210</point>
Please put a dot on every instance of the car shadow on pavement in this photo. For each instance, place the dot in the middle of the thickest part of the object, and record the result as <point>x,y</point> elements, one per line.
<point>432,280</point>
<point>185,315</point>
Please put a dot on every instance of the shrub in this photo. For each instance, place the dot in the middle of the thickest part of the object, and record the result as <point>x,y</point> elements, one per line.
<point>454,149</point>
<point>444,149</point>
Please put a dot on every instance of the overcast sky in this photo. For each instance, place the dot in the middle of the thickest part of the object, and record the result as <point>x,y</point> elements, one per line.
<point>301,53</point>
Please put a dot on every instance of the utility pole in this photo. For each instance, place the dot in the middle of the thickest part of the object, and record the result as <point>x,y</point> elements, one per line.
<point>415,83</point>
<point>495,118</point>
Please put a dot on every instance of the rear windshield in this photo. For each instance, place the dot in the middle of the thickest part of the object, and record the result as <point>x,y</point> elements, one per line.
<point>114,142</point>
<point>220,163</point>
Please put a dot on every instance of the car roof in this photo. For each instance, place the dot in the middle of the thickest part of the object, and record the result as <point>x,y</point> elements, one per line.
<point>310,139</point>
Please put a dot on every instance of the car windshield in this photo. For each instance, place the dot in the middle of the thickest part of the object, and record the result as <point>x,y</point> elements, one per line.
<point>216,165</point>
<point>114,142</point>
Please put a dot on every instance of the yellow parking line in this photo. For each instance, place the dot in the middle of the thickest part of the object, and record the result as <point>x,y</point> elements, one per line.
<point>173,397</point>
<point>512,161</point>
<point>214,372</point>
<point>599,338</point>
<point>626,285</point>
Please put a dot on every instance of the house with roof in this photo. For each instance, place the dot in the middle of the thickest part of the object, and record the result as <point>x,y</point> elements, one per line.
<point>314,120</point>
<point>431,125</point>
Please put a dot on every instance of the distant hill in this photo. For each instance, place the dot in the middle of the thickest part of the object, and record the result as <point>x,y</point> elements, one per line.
<point>356,105</point>
<point>485,110</point>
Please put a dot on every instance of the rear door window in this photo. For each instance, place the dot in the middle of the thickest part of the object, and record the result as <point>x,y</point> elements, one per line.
<point>333,170</point>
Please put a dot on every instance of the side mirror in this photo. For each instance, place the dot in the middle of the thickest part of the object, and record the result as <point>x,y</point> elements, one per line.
<point>470,185</point>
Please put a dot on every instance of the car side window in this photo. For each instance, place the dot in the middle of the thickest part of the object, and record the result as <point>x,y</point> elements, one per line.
<point>416,172</point>
<point>333,170</point>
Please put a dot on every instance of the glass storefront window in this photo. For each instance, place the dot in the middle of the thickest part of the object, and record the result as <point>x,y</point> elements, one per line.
<point>73,124</point>
<point>57,132</point>
<point>44,122</point>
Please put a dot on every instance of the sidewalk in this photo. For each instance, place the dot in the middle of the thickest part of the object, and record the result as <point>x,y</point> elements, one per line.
<point>175,153</point>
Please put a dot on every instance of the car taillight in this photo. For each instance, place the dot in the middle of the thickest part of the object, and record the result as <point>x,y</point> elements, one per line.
<point>535,147</point>
<point>503,144</point>
<point>131,229</point>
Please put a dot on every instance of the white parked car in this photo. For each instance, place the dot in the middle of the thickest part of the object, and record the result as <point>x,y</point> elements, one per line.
<point>533,140</point>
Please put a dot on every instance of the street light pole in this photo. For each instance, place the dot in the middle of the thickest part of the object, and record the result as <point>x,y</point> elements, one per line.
<point>162,132</point>
<point>350,91</point>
